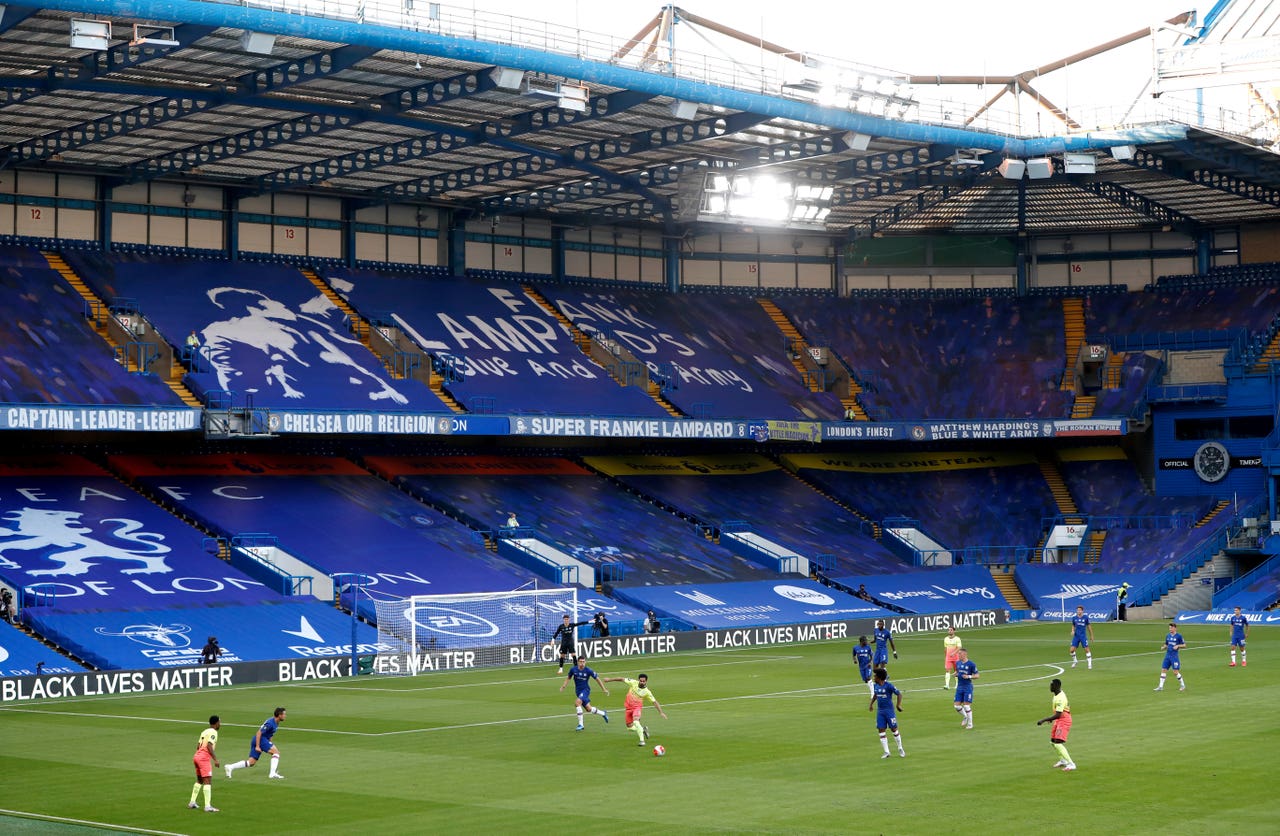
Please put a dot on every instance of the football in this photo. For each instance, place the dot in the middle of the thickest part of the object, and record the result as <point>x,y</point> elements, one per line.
<point>659,750</point>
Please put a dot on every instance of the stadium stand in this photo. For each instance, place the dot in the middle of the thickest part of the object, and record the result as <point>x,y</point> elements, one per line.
<point>718,355</point>
<point>586,516</point>
<point>506,348</point>
<point>958,499</point>
<point>752,493</point>
<point>946,357</point>
<point>402,546</point>
<point>51,353</point>
<point>103,573</point>
<point>269,336</point>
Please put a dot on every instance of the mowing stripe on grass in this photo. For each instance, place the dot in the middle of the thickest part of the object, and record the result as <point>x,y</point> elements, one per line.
<point>23,814</point>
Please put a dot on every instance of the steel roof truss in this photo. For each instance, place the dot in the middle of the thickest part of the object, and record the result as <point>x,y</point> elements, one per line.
<point>178,104</point>
<point>595,150</point>
<point>438,91</point>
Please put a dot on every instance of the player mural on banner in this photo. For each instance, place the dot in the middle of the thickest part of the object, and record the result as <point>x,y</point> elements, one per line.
<point>263,348</point>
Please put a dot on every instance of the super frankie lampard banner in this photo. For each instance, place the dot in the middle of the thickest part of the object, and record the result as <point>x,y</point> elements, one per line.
<point>58,417</point>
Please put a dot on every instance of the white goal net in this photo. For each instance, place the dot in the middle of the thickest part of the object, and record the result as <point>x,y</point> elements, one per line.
<point>425,632</point>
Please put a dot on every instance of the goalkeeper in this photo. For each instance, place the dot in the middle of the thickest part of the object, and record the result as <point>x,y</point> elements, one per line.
<point>567,638</point>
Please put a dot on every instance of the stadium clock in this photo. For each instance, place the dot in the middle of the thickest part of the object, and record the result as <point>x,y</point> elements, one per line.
<point>1211,461</point>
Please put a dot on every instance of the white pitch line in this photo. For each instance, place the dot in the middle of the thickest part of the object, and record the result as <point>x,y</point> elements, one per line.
<point>328,684</point>
<point>123,828</point>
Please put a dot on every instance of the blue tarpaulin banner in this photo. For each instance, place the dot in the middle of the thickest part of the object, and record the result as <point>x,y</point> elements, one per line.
<point>19,655</point>
<point>174,637</point>
<point>933,590</point>
<point>1054,592</point>
<point>751,603</point>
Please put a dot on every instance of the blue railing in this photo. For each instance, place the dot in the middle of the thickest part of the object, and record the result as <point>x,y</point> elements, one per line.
<point>1243,582</point>
<point>1187,393</point>
<point>1194,340</point>
<point>1161,584</point>
<point>991,555</point>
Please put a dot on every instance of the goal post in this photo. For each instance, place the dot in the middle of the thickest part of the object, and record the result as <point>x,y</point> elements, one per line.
<point>491,628</point>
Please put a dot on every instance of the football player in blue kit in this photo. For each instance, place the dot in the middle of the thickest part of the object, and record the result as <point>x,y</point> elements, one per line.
<point>1173,642</point>
<point>862,654</point>
<point>882,697</point>
<point>966,672</point>
<point>581,676</point>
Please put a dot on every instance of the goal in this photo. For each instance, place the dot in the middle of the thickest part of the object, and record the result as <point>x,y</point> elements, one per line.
<point>495,628</point>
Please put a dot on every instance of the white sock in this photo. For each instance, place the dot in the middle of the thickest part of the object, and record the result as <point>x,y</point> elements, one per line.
<point>946,680</point>
<point>275,764</point>
<point>579,714</point>
<point>968,714</point>
<point>1180,682</point>
<point>1244,655</point>
<point>1088,657</point>
<point>1233,657</point>
<point>238,764</point>
<point>884,741</point>
<point>897,738</point>
<point>871,688</point>
<point>1162,676</point>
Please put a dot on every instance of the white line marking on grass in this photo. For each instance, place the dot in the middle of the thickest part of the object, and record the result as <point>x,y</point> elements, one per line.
<point>1058,670</point>
<point>327,684</point>
<point>23,814</point>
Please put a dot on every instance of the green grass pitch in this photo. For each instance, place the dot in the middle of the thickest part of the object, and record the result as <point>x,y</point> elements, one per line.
<point>759,740</point>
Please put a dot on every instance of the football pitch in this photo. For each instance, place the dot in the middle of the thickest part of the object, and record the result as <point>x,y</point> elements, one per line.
<point>758,740</point>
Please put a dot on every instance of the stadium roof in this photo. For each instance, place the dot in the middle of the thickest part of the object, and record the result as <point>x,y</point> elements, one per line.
<point>388,103</point>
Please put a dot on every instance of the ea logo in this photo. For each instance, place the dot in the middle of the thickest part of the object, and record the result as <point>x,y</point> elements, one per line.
<point>451,622</point>
<point>804,596</point>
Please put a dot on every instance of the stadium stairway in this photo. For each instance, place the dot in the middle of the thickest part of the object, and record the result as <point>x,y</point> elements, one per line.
<point>99,315</point>
<point>1003,576</point>
<point>1073,321</point>
<point>362,329</point>
<point>1115,370</point>
<point>1217,509</point>
<point>799,348</point>
<point>1093,552</point>
<point>877,531</point>
<point>1061,496</point>
<point>583,341</point>
<point>1269,355</point>
<point>1083,406</point>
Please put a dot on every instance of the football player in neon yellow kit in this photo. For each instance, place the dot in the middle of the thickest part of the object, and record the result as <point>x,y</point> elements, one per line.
<point>205,759</point>
<point>952,644</point>
<point>637,692</point>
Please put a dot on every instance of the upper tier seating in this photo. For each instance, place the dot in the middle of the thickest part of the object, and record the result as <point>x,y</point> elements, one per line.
<point>726,358</point>
<point>510,350</point>
<point>580,513</point>
<point>51,354</point>
<point>945,358</point>
<point>1175,310</point>
<point>718,489</point>
<point>268,333</point>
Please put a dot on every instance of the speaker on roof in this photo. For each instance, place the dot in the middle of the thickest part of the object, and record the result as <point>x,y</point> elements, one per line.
<point>1012,169</point>
<point>1040,168</point>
